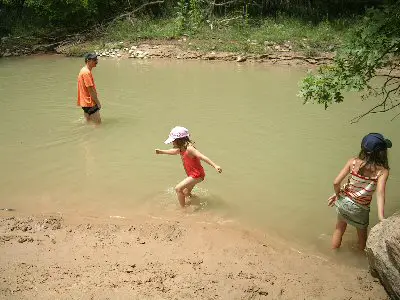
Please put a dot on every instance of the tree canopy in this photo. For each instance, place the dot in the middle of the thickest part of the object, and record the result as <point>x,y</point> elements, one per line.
<point>72,15</point>
<point>368,62</point>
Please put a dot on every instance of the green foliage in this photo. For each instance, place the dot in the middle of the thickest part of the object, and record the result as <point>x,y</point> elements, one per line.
<point>80,50</point>
<point>137,29</point>
<point>262,35</point>
<point>62,15</point>
<point>324,87</point>
<point>74,15</point>
<point>59,12</point>
<point>181,16</point>
<point>374,44</point>
<point>189,16</point>
<point>195,15</point>
<point>235,36</point>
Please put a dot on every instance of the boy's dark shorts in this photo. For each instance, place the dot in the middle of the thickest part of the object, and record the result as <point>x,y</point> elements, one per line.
<point>90,110</point>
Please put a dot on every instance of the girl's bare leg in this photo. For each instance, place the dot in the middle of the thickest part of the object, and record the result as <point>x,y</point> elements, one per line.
<point>193,200</point>
<point>338,233</point>
<point>186,184</point>
<point>362,238</point>
<point>188,190</point>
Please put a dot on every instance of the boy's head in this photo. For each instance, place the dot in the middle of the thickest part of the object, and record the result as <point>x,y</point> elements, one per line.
<point>91,59</point>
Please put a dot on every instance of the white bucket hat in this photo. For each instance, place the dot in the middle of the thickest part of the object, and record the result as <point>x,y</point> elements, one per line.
<point>176,133</point>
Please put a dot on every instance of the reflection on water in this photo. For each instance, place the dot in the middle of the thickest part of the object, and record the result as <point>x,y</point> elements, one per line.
<point>279,156</point>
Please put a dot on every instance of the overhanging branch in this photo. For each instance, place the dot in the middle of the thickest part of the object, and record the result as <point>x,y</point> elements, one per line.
<point>387,104</point>
<point>132,12</point>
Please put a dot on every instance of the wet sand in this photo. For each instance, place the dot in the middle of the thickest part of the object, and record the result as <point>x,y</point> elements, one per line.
<point>54,257</point>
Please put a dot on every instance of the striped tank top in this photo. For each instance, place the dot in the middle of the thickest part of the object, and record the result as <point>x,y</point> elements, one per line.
<point>360,188</point>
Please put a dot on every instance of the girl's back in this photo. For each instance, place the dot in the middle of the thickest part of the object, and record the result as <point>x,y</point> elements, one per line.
<point>362,168</point>
<point>362,182</point>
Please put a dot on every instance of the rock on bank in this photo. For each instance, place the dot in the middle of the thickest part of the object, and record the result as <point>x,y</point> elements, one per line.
<point>383,251</point>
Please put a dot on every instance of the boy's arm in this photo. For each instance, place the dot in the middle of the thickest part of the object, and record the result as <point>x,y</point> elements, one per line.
<point>93,94</point>
<point>380,194</point>
<point>173,151</point>
<point>193,151</point>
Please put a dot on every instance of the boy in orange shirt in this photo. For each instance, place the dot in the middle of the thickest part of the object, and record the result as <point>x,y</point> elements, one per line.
<point>87,94</point>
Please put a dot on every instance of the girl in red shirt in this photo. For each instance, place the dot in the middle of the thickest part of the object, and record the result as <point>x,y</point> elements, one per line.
<point>191,157</point>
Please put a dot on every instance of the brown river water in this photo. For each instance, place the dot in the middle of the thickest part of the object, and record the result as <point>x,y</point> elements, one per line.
<point>279,157</point>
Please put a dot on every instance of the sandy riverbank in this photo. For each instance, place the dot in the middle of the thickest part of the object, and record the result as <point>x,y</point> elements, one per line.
<point>49,257</point>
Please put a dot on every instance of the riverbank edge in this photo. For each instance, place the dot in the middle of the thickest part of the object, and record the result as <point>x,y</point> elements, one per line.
<point>169,49</point>
<point>169,258</point>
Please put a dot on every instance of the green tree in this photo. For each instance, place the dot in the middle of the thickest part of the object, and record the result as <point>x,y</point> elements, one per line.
<point>371,52</point>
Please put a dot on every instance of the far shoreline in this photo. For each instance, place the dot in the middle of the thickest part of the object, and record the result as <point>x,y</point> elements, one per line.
<point>173,50</point>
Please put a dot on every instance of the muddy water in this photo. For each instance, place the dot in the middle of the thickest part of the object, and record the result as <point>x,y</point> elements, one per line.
<point>279,157</point>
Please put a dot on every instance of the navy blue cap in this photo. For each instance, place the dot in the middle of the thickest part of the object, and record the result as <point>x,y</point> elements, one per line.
<point>375,142</point>
<point>90,56</point>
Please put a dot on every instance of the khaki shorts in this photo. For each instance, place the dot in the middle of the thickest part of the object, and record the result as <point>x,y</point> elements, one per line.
<point>352,213</point>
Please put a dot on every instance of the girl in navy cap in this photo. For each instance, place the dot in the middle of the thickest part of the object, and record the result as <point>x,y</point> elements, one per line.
<point>367,173</point>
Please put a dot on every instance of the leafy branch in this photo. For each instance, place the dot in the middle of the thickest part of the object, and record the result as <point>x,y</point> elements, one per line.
<point>373,46</point>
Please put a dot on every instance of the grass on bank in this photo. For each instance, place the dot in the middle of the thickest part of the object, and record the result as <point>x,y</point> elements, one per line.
<point>254,36</point>
<point>229,34</point>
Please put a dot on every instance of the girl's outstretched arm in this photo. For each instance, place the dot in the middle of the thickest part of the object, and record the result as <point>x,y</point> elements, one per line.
<point>193,151</point>
<point>338,180</point>
<point>173,151</point>
<point>380,194</point>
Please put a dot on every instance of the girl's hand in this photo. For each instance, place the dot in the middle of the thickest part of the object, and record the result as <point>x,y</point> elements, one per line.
<point>158,151</point>
<point>219,169</point>
<point>332,199</point>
